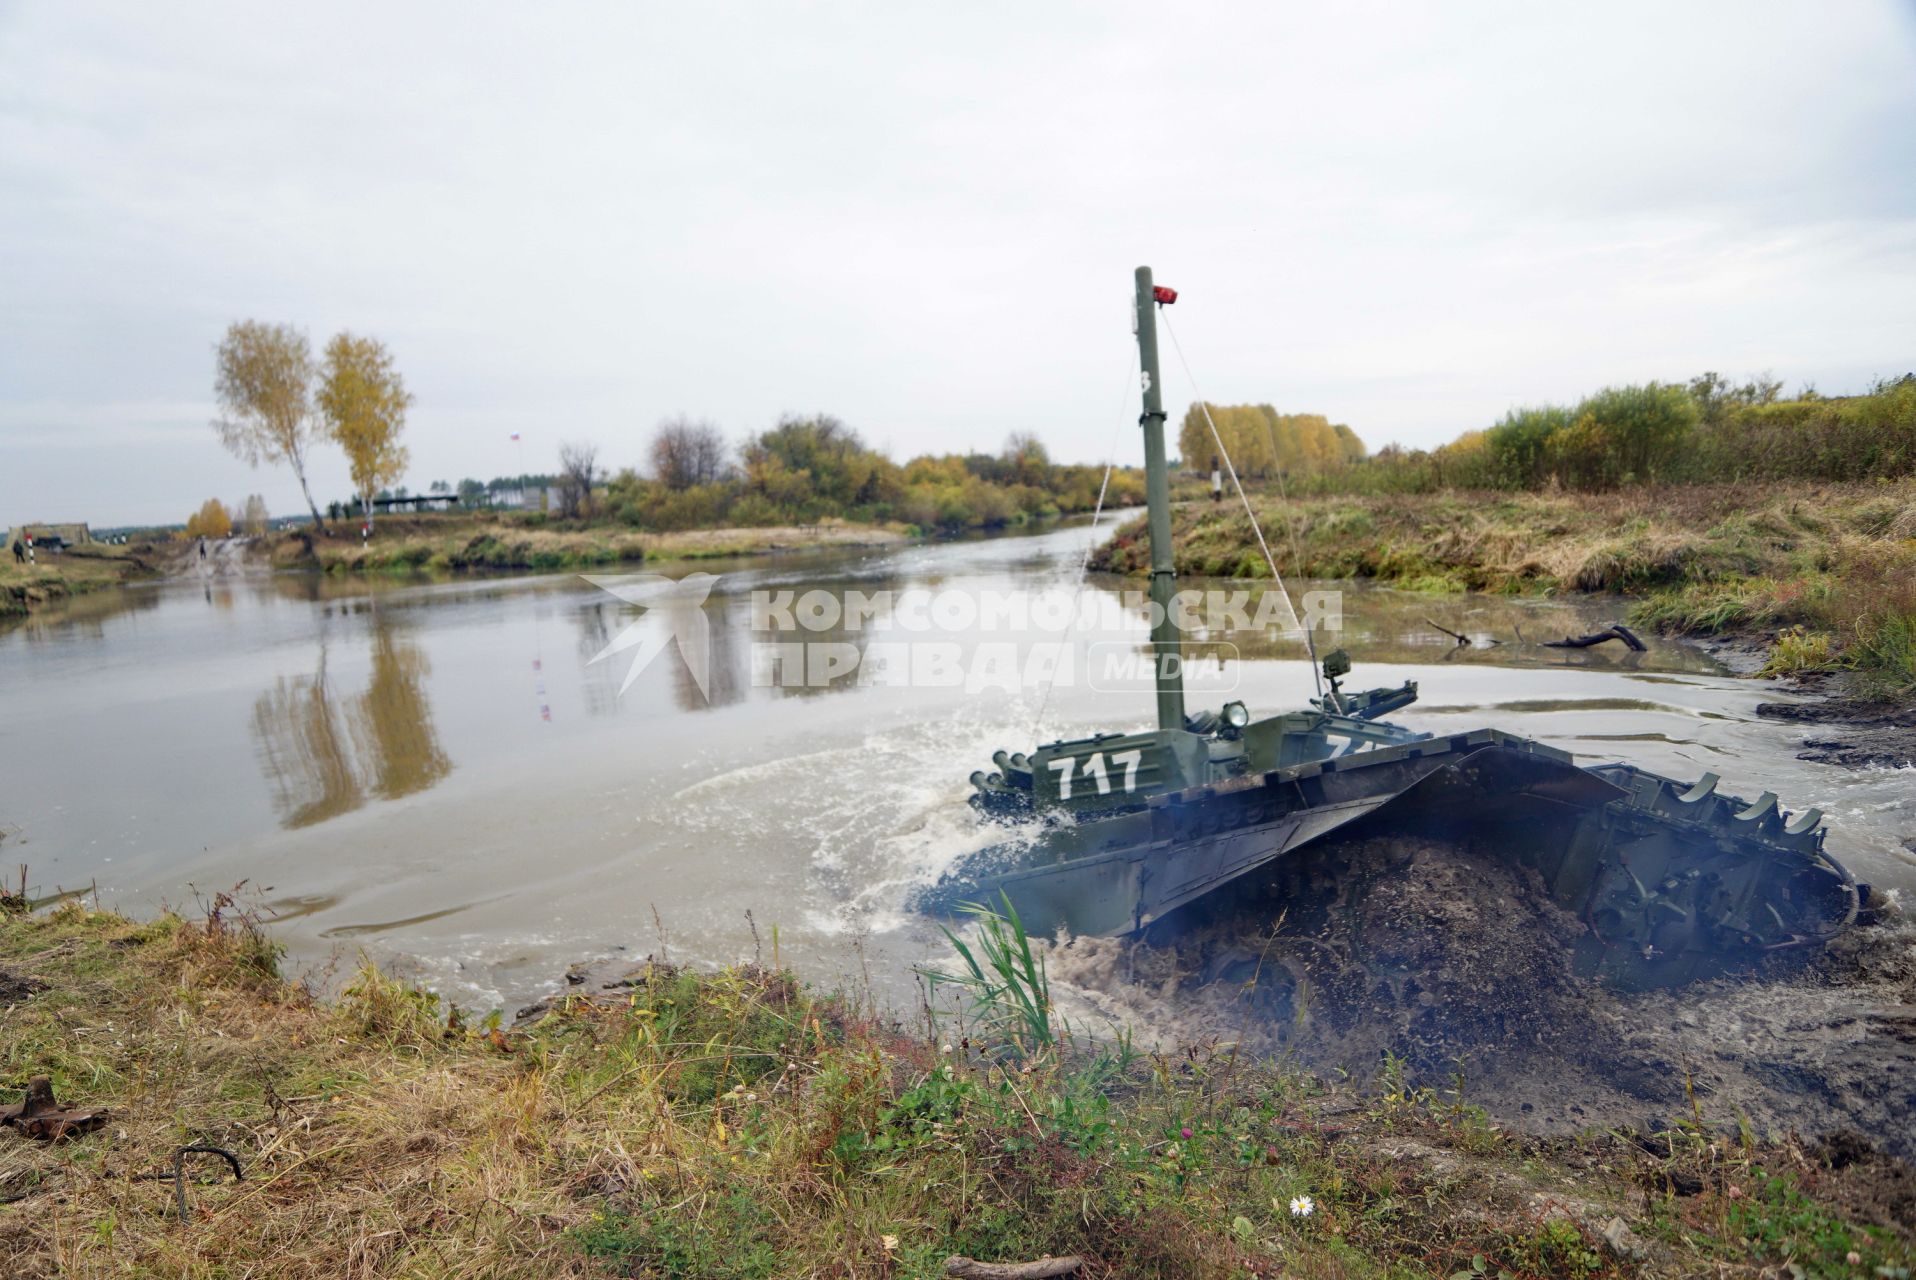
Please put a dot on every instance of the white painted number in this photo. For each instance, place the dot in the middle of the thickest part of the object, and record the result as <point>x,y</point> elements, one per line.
<point>1095,769</point>
<point>1062,766</point>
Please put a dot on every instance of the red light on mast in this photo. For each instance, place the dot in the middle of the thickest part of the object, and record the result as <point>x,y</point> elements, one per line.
<point>1165,297</point>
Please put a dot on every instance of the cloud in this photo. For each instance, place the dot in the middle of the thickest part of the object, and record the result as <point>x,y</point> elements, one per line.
<point>572,222</point>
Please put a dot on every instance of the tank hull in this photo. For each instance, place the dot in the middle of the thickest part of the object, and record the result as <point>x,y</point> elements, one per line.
<point>1673,882</point>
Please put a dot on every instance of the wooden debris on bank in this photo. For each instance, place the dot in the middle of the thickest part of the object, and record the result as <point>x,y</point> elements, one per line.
<point>967,1269</point>
<point>1615,631</point>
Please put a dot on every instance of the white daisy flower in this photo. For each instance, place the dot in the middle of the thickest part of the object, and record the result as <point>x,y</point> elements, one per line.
<point>1302,1206</point>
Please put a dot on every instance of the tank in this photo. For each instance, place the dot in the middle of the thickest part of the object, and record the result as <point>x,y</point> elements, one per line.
<point>1123,833</point>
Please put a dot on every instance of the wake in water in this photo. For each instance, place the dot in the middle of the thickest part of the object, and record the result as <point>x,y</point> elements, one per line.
<point>1458,966</point>
<point>871,821</point>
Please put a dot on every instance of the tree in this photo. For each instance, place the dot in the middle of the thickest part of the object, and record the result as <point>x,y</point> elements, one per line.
<point>470,492</point>
<point>440,487</point>
<point>1521,445</point>
<point>364,401</point>
<point>578,470</point>
<point>212,520</point>
<point>686,453</point>
<point>1025,458</point>
<point>253,515</point>
<point>1643,429</point>
<point>1353,447</point>
<point>1261,441</point>
<point>815,465</point>
<point>1716,396</point>
<point>263,375</point>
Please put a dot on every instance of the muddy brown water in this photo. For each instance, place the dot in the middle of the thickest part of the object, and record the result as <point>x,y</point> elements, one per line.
<point>438,774</point>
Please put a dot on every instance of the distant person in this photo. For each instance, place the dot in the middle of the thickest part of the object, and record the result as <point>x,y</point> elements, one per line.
<point>30,556</point>
<point>202,548</point>
<point>19,551</point>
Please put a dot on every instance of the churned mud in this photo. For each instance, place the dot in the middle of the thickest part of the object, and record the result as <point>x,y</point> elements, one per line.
<point>1451,970</point>
<point>1856,735</point>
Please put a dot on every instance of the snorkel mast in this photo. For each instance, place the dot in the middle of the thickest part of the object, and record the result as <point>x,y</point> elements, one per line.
<point>1166,639</point>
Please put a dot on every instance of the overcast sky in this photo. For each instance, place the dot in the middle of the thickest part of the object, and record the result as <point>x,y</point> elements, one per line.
<point>571,220</point>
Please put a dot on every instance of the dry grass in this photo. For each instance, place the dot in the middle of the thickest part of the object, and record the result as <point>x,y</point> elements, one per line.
<point>1838,561</point>
<point>736,1125</point>
<point>453,542</point>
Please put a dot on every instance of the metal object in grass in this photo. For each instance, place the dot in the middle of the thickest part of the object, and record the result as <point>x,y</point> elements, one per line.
<point>179,1170</point>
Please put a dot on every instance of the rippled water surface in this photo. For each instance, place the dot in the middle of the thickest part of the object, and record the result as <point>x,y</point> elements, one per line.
<point>437,772</point>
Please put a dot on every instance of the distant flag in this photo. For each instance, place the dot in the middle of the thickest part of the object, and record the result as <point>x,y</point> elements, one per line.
<point>515,435</point>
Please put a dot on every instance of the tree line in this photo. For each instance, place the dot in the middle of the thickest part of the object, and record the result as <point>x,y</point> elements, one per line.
<point>215,519</point>
<point>1263,442</point>
<point>278,404</point>
<point>808,467</point>
<point>1709,430</point>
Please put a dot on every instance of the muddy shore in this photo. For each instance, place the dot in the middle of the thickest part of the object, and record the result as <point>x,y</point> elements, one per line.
<point>1851,733</point>
<point>1454,978</point>
<point>1452,972</point>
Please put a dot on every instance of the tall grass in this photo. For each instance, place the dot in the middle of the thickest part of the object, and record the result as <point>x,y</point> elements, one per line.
<point>736,1126</point>
<point>1009,990</point>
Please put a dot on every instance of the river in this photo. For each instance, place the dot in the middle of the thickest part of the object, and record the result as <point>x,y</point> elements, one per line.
<point>439,774</point>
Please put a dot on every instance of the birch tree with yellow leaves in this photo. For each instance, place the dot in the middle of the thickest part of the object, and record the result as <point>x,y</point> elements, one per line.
<point>364,401</point>
<point>262,378</point>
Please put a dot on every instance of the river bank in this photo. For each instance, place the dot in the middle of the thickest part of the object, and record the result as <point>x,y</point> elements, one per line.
<point>73,572</point>
<point>737,1124</point>
<point>458,541</point>
<point>1822,577</point>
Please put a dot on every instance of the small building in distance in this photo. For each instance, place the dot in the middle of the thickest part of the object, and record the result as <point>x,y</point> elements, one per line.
<point>55,535</point>
<point>535,497</point>
<point>418,502</point>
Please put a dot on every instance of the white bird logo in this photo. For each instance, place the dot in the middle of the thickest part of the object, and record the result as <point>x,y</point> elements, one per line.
<point>675,613</point>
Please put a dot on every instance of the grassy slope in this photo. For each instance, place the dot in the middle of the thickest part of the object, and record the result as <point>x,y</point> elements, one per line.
<point>497,541</point>
<point>1838,561</point>
<point>736,1125</point>
<point>73,572</point>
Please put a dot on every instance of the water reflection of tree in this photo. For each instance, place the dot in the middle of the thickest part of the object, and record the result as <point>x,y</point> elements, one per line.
<point>306,759</point>
<point>322,752</point>
<point>727,671</point>
<point>602,680</point>
<point>726,674</point>
<point>792,661</point>
<point>392,721</point>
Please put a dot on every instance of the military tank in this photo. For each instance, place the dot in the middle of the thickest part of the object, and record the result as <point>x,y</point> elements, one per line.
<point>1123,833</point>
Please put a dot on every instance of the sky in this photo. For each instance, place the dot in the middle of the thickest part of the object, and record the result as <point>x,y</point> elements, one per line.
<point>574,220</point>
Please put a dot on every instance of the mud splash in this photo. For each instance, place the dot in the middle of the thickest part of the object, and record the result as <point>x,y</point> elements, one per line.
<point>1457,967</point>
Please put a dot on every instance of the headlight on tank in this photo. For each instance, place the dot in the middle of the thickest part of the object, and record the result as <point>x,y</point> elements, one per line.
<point>1236,714</point>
